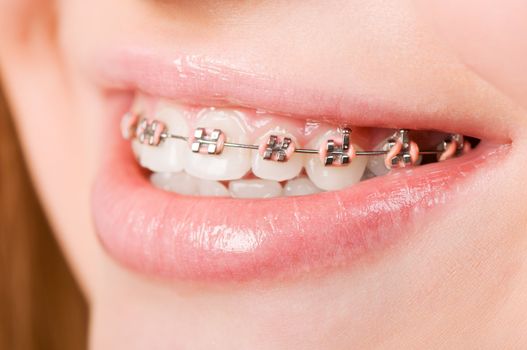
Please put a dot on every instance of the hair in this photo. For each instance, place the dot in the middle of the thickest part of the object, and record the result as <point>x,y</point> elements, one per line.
<point>41,306</point>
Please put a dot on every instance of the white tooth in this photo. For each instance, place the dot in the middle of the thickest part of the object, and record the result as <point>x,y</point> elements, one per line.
<point>181,182</point>
<point>170,155</point>
<point>273,170</point>
<point>137,148</point>
<point>255,188</point>
<point>376,165</point>
<point>125,125</point>
<point>332,178</point>
<point>232,163</point>
<point>300,187</point>
<point>211,188</point>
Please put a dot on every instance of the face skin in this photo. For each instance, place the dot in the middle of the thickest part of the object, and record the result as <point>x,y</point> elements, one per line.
<point>460,282</point>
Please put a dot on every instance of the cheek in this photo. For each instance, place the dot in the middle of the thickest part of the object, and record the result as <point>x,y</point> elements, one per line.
<point>483,34</point>
<point>54,115</point>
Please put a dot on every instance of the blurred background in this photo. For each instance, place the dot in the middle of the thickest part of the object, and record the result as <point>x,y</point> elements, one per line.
<point>41,306</point>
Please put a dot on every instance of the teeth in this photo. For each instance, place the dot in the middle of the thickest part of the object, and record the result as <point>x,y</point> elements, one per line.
<point>274,170</point>
<point>180,182</point>
<point>376,165</point>
<point>255,188</point>
<point>210,188</point>
<point>170,155</point>
<point>232,163</point>
<point>300,187</point>
<point>137,148</point>
<point>331,178</point>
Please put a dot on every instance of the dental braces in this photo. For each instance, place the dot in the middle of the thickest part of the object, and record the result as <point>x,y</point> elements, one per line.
<point>399,150</point>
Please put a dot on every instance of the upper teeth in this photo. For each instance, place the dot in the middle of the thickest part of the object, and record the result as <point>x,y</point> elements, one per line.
<point>333,177</point>
<point>231,163</point>
<point>266,162</point>
<point>276,154</point>
<point>170,155</point>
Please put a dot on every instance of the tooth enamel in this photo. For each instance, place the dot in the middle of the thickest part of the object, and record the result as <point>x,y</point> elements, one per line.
<point>368,174</point>
<point>376,165</point>
<point>170,155</point>
<point>273,170</point>
<point>300,187</point>
<point>232,163</point>
<point>181,182</point>
<point>332,178</point>
<point>212,189</point>
<point>255,188</point>
<point>137,148</point>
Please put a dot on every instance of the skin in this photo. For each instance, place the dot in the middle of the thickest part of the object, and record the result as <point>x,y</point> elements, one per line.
<point>462,282</point>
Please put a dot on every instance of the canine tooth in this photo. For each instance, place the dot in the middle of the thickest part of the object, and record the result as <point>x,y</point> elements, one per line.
<point>276,170</point>
<point>137,148</point>
<point>212,189</point>
<point>255,188</point>
<point>300,187</point>
<point>181,182</point>
<point>331,178</point>
<point>232,163</point>
<point>170,155</point>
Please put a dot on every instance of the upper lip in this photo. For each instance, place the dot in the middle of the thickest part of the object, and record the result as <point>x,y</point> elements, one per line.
<point>185,237</point>
<point>208,80</point>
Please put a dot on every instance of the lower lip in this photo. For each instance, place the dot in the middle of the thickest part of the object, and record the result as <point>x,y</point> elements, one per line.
<point>222,239</point>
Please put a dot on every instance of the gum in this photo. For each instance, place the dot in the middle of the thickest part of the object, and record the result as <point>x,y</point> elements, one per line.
<point>258,123</point>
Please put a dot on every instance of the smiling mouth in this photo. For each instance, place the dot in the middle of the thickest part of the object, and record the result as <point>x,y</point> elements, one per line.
<point>244,154</point>
<point>226,191</point>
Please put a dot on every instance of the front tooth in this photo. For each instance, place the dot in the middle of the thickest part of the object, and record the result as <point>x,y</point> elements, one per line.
<point>211,188</point>
<point>274,170</point>
<point>300,187</point>
<point>170,155</point>
<point>255,188</point>
<point>181,182</point>
<point>331,178</point>
<point>232,163</point>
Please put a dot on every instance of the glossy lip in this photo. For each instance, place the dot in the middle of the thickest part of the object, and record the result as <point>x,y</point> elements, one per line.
<point>224,239</point>
<point>210,80</point>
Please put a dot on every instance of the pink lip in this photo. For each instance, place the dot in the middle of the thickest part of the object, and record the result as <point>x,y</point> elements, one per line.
<point>221,239</point>
<point>203,79</point>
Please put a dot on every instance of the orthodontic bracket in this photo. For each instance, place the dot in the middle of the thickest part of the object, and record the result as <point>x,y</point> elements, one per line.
<point>399,150</point>
<point>212,141</point>
<point>277,148</point>
<point>150,132</point>
<point>453,145</point>
<point>338,152</point>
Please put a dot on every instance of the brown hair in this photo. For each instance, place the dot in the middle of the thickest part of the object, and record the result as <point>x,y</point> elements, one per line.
<point>41,306</point>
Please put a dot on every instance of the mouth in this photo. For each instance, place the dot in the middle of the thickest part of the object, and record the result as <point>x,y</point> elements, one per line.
<point>222,178</point>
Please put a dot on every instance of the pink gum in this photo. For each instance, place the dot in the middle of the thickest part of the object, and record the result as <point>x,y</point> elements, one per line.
<point>258,123</point>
